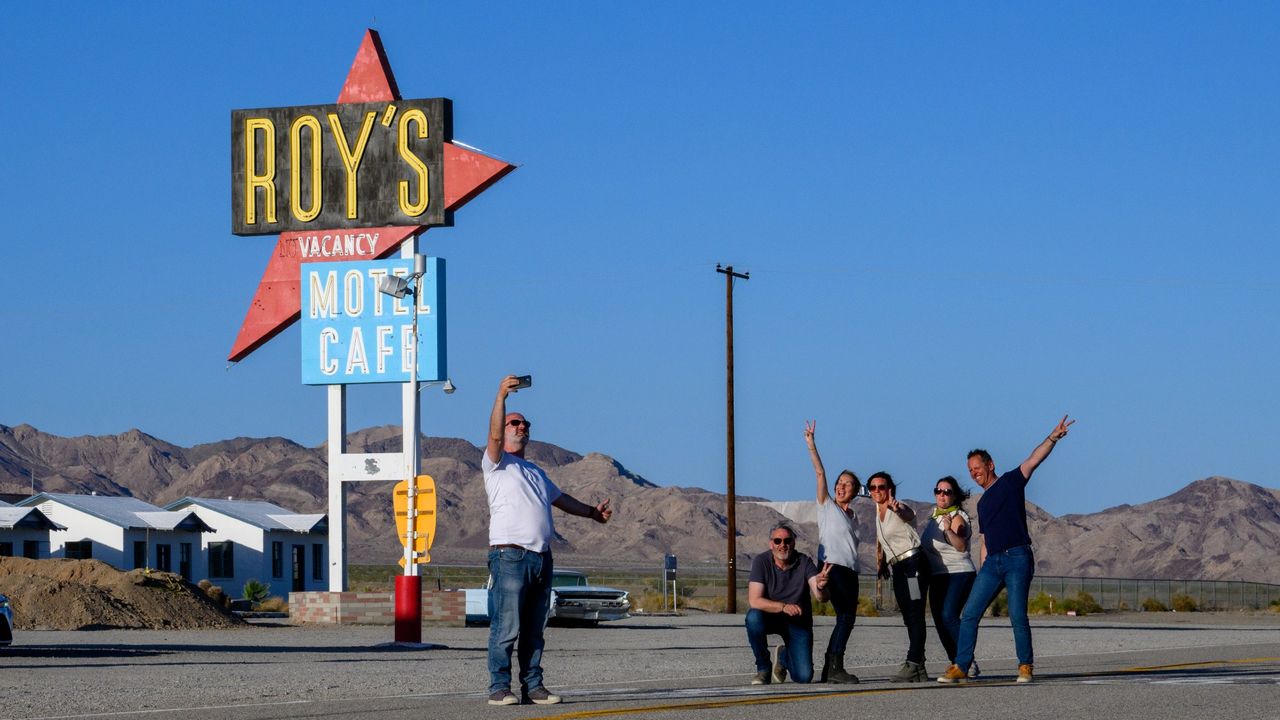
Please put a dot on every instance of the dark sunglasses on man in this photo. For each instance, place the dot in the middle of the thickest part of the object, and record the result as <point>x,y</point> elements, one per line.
<point>784,541</point>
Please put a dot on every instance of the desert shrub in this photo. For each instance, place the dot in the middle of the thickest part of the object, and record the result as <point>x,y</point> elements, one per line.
<point>274,604</point>
<point>867,607</point>
<point>1184,603</point>
<point>1083,604</point>
<point>215,593</point>
<point>255,591</point>
<point>1042,604</point>
<point>1153,605</point>
<point>821,607</point>
<point>1000,606</point>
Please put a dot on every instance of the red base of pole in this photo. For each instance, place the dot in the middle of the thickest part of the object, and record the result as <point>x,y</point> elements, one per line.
<point>408,609</point>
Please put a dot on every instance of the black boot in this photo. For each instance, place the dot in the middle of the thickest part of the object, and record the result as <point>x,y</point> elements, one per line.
<point>833,671</point>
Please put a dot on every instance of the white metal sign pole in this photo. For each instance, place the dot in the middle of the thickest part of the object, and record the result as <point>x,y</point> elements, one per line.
<point>409,424</point>
<point>337,496</point>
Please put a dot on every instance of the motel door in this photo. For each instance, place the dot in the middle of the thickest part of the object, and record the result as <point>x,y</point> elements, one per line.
<point>299,568</point>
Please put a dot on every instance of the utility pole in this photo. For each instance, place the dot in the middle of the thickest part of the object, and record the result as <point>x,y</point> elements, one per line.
<point>731,597</point>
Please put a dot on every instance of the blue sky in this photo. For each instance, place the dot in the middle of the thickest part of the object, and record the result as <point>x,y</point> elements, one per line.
<point>961,222</point>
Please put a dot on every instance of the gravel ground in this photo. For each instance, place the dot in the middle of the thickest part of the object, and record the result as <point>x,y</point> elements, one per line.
<point>271,670</point>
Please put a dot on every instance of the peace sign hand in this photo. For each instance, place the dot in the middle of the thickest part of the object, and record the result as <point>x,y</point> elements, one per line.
<point>1060,431</point>
<point>809,427</point>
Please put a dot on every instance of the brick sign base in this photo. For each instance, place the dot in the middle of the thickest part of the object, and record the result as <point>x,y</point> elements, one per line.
<point>441,608</point>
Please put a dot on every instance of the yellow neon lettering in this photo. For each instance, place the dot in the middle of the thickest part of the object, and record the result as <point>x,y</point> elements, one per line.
<point>295,169</point>
<point>387,115</point>
<point>419,168</point>
<point>350,159</point>
<point>252,179</point>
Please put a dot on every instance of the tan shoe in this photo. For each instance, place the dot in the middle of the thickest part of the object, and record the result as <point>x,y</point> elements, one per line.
<point>953,675</point>
<point>1025,673</point>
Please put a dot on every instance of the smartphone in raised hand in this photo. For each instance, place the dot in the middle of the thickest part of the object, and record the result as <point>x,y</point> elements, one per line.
<point>523,381</point>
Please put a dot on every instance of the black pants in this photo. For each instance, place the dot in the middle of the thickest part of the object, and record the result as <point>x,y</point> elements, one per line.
<point>842,591</point>
<point>912,571</point>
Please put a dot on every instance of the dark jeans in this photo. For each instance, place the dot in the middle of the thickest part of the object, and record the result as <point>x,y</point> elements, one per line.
<point>913,570</point>
<point>796,633</point>
<point>947,595</point>
<point>1013,569</point>
<point>842,591</point>
<point>518,605</point>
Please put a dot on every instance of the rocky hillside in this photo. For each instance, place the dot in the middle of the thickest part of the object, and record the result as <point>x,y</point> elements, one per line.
<point>1213,528</point>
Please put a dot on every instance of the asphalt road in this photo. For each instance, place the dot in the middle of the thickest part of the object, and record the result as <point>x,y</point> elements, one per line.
<point>1166,666</point>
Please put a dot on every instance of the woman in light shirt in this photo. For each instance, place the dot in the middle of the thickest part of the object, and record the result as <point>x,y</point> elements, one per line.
<point>946,545</point>
<point>898,554</point>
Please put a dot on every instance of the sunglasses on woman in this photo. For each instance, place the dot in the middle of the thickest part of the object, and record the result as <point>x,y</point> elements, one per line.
<point>943,491</point>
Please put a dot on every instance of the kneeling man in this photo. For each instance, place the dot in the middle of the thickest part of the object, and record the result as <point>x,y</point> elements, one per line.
<point>782,584</point>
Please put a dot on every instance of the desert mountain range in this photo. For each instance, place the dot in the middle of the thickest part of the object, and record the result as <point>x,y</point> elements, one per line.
<point>1215,528</point>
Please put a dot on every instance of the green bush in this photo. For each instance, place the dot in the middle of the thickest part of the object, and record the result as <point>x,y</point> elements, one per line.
<point>1083,604</point>
<point>1184,603</point>
<point>1153,605</point>
<point>1000,606</point>
<point>255,591</point>
<point>867,607</point>
<point>273,604</point>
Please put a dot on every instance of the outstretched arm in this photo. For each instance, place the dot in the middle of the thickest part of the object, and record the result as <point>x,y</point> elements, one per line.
<point>809,427</point>
<point>1043,449</point>
<point>568,503</point>
<point>498,417</point>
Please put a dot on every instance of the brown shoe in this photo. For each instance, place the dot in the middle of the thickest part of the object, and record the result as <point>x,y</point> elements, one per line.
<point>542,696</point>
<point>503,697</point>
<point>953,675</point>
<point>1025,673</point>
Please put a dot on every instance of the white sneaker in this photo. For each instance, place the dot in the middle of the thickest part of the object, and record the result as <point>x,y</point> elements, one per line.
<point>974,671</point>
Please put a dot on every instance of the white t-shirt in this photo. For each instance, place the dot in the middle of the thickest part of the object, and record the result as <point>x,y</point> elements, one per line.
<point>943,557</point>
<point>836,533</point>
<point>520,496</point>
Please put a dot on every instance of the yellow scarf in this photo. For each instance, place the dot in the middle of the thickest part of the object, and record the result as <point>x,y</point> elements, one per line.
<point>945,511</point>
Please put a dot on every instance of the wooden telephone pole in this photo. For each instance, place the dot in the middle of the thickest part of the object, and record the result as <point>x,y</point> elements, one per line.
<point>731,596</point>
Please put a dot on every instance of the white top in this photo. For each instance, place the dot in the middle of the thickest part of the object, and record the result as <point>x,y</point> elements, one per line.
<point>943,557</point>
<point>895,536</point>
<point>520,496</point>
<point>837,536</point>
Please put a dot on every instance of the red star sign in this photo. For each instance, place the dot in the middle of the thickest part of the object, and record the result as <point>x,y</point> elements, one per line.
<point>276,304</point>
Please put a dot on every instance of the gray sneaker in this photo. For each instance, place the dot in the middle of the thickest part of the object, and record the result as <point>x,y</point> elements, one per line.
<point>542,696</point>
<point>761,678</point>
<point>974,671</point>
<point>910,672</point>
<point>779,670</point>
<point>503,697</point>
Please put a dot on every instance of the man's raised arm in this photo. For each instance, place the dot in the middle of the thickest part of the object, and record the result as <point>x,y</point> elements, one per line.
<point>497,419</point>
<point>1044,448</point>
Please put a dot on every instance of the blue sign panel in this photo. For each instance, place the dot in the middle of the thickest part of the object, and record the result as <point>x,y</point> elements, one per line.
<point>351,333</point>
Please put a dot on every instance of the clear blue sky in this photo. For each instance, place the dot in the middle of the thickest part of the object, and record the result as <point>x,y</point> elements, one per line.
<point>961,222</point>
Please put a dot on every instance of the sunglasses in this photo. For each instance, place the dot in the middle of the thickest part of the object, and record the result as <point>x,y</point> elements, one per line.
<point>518,423</point>
<point>943,491</point>
<point>873,488</point>
<point>784,541</point>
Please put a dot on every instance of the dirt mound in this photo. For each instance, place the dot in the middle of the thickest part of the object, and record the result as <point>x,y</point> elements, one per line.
<point>89,594</point>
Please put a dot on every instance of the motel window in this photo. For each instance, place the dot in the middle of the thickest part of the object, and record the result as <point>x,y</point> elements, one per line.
<point>317,562</point>
<point>277,559</point>
<point>6,549</point>
<point>82,550</point>
<point>31,549</point>
<point>139,553</point>
<point>221,560</point>
<point>164,558</point>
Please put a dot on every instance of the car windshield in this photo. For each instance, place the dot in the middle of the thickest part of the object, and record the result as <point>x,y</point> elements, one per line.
<point>568,580</point>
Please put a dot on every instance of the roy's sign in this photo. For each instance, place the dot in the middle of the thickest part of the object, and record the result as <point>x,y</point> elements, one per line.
<point>351,333</point>
<point>347,165</point>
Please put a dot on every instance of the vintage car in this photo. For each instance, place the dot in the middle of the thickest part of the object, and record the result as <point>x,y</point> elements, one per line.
<point>573,600</point>
<point>6,621</point>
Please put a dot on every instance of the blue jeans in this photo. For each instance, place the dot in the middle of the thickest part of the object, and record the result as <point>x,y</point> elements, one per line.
<point>914,571</point>
<point>842,589</point>
<point>1012,569</point>
<point>518,604</point>
<point>796,633</point>
<point>947,595</point>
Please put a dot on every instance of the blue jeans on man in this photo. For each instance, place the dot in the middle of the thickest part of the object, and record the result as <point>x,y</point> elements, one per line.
<point>796,634</point>
<point>1012,569</point>
<point>518,603</point>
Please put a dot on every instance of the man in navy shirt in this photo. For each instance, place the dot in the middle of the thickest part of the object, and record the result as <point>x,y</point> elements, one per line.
<point>1008,561</point>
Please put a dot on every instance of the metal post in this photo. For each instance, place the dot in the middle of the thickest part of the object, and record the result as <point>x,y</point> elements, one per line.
<point>337,498</point>
<point>408,604</point>
<point>731,499</point>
